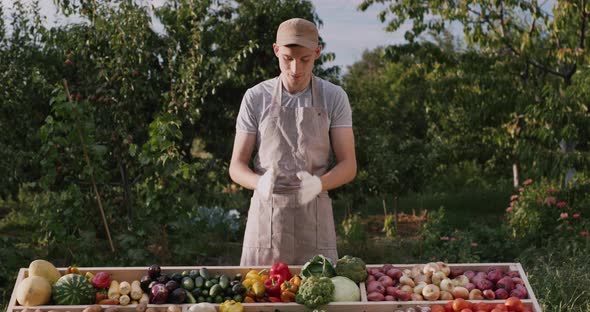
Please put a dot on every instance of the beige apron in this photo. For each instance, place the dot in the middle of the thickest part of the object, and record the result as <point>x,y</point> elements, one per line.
<point>280,229</point>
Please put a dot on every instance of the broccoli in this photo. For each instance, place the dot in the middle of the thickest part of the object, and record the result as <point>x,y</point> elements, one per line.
<point>352,267</point>
<point>315,291</point>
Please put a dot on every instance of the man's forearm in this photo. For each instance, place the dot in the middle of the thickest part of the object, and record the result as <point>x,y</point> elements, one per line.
<point>342,173</point>
<point>243,175</point>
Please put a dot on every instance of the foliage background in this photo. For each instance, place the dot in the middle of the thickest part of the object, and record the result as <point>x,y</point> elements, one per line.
<point>108,114</point>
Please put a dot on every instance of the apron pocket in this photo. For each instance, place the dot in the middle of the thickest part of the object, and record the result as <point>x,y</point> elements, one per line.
<point>258,226</point>
<point>326,231</point>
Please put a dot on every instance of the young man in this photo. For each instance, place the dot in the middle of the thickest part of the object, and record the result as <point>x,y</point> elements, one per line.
<point>296,122</point>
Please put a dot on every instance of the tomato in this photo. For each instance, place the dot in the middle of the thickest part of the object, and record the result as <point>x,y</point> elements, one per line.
<point>481,306</point>
<point>500,307</point>
<point>437,308</point>
<point>514,304</point>
<point>449,307</point>
<point>460,304</point>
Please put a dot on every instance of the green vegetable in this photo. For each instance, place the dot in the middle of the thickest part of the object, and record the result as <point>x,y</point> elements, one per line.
<point>315,291</point>
<point>204,273</point>
<point>199,281</point>
<point>345,289</point>
<point>224,281</point>
<point>187,283</point>
<point>352,267</point>
<point>318,266</point>
<point>73,289</point>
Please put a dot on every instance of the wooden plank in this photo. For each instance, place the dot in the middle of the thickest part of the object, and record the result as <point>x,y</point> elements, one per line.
<point>529,288</point>
<point>12,302</point>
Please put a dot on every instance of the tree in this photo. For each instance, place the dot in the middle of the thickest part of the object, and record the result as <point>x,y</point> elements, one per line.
<point>545,52</point>
<point>125,122</point>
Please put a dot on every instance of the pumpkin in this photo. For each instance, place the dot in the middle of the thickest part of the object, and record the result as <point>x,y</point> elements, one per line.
<point>33,291</point>
<point>45,269</point>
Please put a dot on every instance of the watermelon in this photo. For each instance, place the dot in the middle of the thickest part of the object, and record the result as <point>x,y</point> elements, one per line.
<point>73,289</point>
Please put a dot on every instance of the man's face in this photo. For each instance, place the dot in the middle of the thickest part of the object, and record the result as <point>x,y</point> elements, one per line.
<point>296,64</point>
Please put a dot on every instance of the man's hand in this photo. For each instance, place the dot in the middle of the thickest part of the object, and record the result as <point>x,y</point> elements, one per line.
<point>266,184</point>
<point>310,187</point>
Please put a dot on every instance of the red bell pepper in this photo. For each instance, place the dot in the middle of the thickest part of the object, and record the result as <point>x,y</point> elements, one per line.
<point>101,280</point>
<point>273,285</point>
<point>274,299</point>
<point>282,269</point>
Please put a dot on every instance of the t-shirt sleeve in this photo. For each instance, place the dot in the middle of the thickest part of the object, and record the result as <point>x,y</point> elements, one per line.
<point>341,111</point>
<point>246,121</point>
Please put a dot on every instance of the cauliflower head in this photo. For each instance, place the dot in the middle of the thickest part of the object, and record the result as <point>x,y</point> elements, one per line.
<point>315,291</point>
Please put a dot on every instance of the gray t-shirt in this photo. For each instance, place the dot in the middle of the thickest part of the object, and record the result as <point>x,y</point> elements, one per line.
<point>257,100</point>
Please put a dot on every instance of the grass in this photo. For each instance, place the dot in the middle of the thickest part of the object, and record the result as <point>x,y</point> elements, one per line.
<point>560,277</point>
<point>462,207</point>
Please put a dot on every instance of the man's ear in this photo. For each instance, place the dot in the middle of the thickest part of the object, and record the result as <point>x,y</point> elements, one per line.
<point>318,51</point>
<point>275,47</point>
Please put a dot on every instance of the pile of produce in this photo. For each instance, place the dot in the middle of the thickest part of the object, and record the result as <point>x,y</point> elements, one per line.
<point>437,281</point>
<point>191,286</point>
<point>318,283</point>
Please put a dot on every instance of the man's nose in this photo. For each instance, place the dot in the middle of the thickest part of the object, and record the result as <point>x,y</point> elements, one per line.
<point>295,66</point>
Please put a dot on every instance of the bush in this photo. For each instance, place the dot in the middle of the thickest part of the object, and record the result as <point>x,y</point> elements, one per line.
<point>542,211</point>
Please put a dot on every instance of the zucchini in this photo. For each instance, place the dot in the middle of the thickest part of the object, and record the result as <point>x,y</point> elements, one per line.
<point>114,290</point>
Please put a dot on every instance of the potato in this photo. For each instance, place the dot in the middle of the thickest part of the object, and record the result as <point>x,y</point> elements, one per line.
<point>93,308</point>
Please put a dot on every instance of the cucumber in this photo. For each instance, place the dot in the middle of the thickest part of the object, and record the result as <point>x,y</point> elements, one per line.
<point>188,283</point>
<point>199,281</point>
<point>204,273</point>
<point>224,281</point>
<point>215,290</point>
<point>190,298</point>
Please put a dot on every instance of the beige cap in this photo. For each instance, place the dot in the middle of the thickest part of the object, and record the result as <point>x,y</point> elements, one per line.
<point>298,31</point>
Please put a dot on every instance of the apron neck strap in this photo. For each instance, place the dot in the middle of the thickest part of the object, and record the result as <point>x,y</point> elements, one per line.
<point>316,99</point>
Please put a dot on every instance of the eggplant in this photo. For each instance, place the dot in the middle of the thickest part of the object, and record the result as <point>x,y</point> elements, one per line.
<point>176,276</point>
<point>177,296</point>
<point>163,278</point>
<point>158,294</point>
<point>152,283</point>
<point>154,271</point>
<point>171,285</point>
<point>145,282</point>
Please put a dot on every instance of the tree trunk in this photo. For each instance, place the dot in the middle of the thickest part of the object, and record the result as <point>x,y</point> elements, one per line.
<point>515,174</point>
<point>567,148</point>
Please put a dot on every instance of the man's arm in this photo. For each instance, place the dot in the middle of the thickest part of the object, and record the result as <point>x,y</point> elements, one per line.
<point>238,167</point>
<point>342,140</point>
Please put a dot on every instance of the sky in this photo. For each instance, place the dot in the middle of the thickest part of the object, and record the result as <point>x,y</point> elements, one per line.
<point>346,31</point>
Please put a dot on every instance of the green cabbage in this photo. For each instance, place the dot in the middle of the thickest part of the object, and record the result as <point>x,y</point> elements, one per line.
<point>345,289</point>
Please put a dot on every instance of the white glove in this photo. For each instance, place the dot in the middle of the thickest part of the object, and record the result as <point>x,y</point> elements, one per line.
<point>266,184</point>
<point>310,187</point>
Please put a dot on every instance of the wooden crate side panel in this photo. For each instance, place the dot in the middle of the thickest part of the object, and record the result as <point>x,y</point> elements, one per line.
<point>529,288</point>
<point>465,266</point>
<point>389,306</point>
<point>12,302</point>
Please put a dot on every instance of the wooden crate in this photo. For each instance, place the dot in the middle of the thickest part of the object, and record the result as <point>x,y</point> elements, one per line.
<point>135,273</point>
